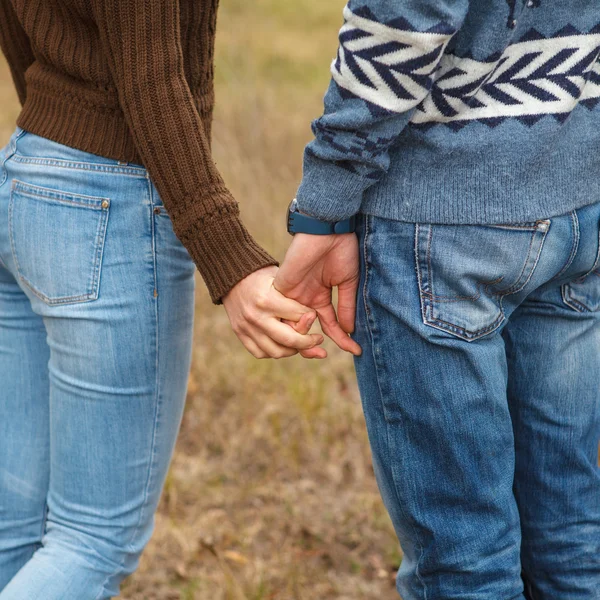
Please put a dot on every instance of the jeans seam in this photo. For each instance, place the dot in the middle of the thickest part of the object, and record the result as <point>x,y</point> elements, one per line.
<point>567,290</point>
<point>368,318</point>
<point>574,245</point>
<point>102,168</point>
<point>157,411</point>
<point>44,518</point>
<point>153,230</point>
<point>11,150</point>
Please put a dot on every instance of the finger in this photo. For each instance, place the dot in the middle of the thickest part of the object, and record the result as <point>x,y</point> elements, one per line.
<point>316,352</point>
<point>252,347</point>
<point>346,306</point>
<point>286,336</point>
<point>300,327</point>
<point>305,323</point>
<point>331,328</point>
<point>270,348</point>
<point>286,308</point>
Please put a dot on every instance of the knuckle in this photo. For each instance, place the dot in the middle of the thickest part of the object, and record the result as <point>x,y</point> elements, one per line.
<point>250,315</point>
<point>261,301</point>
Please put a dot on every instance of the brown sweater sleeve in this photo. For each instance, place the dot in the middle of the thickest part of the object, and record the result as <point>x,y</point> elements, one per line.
<point>18,53</point>
<point>141,39</point>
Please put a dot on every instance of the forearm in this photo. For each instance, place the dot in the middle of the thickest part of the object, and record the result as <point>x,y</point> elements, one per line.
<point>141,41</point>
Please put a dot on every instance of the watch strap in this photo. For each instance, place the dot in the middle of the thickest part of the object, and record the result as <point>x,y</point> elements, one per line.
<point>301,223</point>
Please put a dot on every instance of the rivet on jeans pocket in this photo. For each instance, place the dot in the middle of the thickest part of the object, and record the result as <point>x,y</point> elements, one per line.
<point>105,203</point>
<point>157,210</point>
<point>543,225</point>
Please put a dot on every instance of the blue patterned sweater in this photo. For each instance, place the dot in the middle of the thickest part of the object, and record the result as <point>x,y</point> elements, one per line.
<point>458,111</point>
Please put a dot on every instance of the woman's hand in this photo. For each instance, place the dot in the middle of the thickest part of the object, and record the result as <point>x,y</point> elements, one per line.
<point>255,309</point>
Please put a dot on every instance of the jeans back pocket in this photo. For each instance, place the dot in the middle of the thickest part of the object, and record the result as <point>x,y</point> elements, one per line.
<point>583,294</point>
<point>57,241</point>
<point>465,271</point>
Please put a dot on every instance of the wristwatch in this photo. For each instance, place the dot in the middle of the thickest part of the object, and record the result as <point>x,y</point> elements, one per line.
<point>298,222</point>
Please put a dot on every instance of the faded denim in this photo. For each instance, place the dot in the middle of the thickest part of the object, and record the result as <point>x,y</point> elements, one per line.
<point>480,382</point>
<point>96,318</point>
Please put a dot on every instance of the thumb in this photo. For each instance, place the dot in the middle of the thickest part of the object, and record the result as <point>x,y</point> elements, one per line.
<point>305,323</point>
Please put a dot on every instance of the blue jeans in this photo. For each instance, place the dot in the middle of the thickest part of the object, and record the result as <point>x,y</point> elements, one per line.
<point>96,317</point>
<point>480,382</point>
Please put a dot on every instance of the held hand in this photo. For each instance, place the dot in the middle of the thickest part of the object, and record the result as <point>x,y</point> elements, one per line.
<point>255,309</point>
<point>313,265</point>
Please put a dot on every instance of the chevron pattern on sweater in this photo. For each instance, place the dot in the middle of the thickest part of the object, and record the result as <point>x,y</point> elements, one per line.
<point>395,68</point>
<point>388,65</point>
<point>534,77</point>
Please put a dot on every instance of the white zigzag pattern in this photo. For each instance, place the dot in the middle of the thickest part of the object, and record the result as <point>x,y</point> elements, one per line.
<point>527,103</point>
<point>380,94</point>
<point>370,35</point>
<point>591,88</point>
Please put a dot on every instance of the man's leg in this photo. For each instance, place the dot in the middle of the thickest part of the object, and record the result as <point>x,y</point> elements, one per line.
<point>433,383</point>
<point>24,428</point>
<point>553,350</point>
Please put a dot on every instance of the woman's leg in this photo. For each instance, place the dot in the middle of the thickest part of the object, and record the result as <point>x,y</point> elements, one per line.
<point>24,423</point>
<point>120,350</point>
<point>24,428</point>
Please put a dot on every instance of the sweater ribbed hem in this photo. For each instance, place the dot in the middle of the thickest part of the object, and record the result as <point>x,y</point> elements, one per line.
<point>90,120</point>
<point>225,253</point>
<point>70,121</point>
<point>479,192</point>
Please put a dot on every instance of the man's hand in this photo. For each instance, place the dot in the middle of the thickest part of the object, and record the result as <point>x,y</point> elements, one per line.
<point>255,309</point>
<point>313,265</point>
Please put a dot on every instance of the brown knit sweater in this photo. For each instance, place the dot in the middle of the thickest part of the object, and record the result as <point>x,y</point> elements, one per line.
<point>132,80</point>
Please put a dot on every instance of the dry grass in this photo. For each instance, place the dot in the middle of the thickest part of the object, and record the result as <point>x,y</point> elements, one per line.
<point>271,494</point>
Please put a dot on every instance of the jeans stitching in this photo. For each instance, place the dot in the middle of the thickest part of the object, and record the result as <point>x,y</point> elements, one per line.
<point>369,319</point>
<point>157,412</point>
<point>95,275</point>
<point>82,166</point>
<point>11,149</point>
<point>574,245</point>
<point>43,193</point>
<point>567,288</point>
<point>517,286</point>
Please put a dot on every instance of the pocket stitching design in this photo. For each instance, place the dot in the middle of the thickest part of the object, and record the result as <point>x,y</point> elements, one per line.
<point>567,290</point>
<point>107,168</point>
<point>94,279</point>
<point>427,297</point>
<point>42,193</point>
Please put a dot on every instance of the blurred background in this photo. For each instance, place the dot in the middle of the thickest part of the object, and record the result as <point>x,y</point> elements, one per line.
<point>271,494</point>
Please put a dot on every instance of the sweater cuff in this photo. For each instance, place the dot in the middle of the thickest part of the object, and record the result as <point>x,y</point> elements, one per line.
<point>328,191</point>
<point>225,253</point>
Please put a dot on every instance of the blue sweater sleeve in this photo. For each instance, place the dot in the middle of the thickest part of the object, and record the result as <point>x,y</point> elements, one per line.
<point>388,53</point>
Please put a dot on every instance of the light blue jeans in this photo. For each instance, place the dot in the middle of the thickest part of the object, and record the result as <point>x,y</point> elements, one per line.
<point>480,381</point>
<point>96,318</point>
